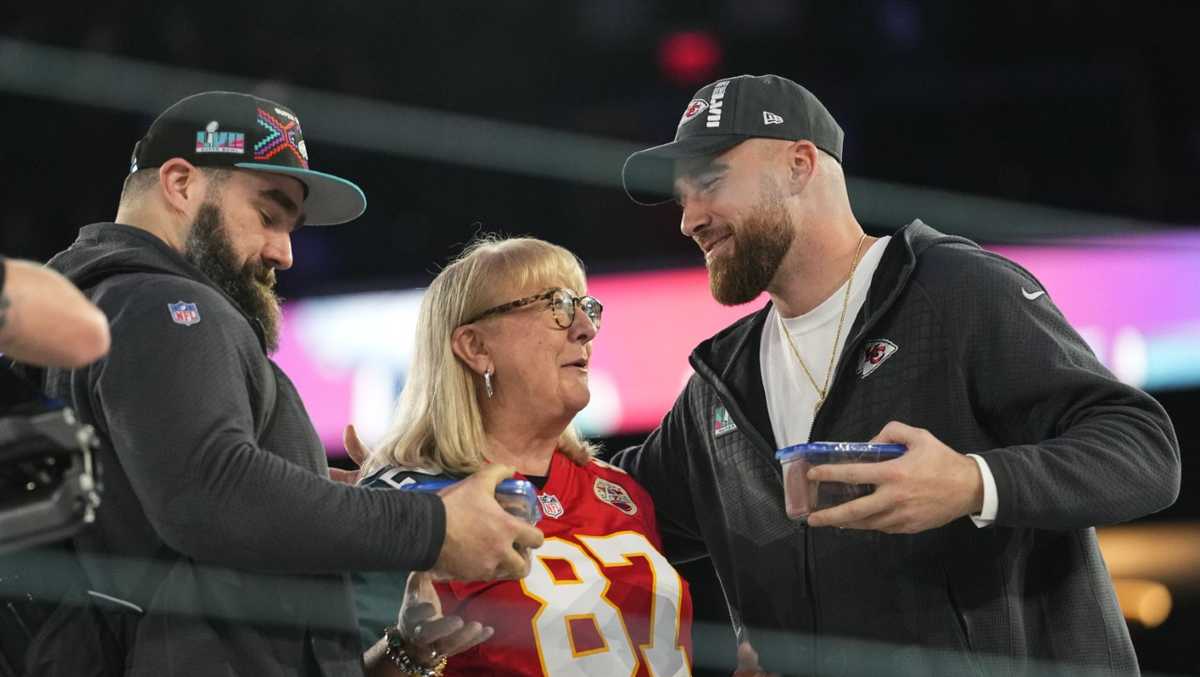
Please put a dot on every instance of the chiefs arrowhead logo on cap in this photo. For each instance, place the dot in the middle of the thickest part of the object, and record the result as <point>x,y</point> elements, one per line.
<point>694,108</point>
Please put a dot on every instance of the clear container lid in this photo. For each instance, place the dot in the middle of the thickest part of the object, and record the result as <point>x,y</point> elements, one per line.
<point>524,491</point>
<point>829,448</point>
<point>512,487</point>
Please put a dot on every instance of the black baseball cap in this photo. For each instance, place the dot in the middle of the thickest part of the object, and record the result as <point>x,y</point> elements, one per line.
<point>725,113</point>
<point>241,131</point>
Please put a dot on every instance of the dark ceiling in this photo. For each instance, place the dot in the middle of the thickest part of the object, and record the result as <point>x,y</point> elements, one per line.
<point>1085,105</point>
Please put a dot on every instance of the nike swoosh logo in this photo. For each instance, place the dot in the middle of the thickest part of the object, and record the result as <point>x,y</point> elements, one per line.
<point>1031,295</point>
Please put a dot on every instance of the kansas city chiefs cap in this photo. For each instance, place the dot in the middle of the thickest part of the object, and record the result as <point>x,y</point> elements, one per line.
<point>725,113</point>
<point>230,129</point>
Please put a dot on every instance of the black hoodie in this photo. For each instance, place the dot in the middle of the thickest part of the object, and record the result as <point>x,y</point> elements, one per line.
<point>985,368</point>
<point>218,518</point>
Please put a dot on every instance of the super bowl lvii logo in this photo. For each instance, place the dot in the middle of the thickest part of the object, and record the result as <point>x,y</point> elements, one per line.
<point>211,140</point>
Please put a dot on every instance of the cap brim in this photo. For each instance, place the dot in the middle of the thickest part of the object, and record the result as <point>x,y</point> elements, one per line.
<point>330,199</point>
<point>649,175</point>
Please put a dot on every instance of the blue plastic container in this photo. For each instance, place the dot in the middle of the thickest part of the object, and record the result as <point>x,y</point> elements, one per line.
<point>803,496</point>
<point>517,497</point>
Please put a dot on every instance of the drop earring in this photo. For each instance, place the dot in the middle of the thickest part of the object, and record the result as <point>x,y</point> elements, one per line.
<point>487,383</point>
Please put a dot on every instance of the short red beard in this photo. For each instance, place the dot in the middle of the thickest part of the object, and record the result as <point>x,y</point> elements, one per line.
<point>759,246</point>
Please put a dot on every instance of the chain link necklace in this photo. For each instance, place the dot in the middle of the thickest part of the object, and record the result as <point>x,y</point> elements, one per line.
<point>822,391</point>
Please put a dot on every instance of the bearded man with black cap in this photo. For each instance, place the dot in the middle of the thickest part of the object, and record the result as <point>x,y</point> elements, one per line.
<point>221,543</point>
<point>987,558</point>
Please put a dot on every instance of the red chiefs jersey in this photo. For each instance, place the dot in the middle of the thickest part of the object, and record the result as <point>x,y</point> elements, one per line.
<point>600,599</point>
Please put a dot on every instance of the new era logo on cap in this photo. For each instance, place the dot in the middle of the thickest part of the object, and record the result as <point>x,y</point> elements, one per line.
<point>770,118</point>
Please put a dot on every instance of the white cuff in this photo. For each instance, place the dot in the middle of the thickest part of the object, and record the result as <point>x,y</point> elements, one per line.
<point>990,501</point>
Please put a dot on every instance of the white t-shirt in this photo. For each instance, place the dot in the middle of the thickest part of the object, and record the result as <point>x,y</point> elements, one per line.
<point>791,397</point>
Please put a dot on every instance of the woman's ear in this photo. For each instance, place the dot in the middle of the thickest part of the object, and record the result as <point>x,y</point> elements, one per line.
<point>470,345</point>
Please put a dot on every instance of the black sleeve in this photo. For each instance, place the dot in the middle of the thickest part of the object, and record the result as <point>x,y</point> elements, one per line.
<point>661,465</point>
<point>176,402</point>
<point>379,594</point>
<point>3,272</point>
<point>1085,449</point>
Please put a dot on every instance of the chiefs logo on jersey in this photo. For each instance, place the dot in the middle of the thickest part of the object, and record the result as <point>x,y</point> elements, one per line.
<point>614,495</point>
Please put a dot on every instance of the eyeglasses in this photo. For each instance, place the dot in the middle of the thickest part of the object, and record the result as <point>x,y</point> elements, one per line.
<point>562,304</point>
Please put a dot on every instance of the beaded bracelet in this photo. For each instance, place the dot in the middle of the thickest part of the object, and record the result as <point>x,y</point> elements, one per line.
<point>397,653</point>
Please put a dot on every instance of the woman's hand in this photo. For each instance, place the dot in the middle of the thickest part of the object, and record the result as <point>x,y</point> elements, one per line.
<point>429,634</point>
<point>356,450</point>
<point>747,663</point>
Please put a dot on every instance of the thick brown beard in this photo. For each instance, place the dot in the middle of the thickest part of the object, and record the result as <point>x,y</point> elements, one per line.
<point>759,245</point>
<point>251,286</point>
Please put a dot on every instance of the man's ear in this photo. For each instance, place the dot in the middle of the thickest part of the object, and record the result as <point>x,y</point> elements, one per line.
<point>470,345</point>
<point>182,186</point>
<point>801,158</point>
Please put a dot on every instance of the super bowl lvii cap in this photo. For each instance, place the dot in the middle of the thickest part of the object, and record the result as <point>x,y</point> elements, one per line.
<point>230,129</point>
<point>725,113</point>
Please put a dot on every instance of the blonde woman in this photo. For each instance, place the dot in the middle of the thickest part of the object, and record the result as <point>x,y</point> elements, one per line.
<point>504,339</point>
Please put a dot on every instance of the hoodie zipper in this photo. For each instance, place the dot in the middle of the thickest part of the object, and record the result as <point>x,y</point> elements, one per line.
<point>846,358</point>
<point>756,438</point>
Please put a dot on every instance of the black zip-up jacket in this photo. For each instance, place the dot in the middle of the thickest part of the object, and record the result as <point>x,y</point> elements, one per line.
<point>218,518</point>
<point>986,370</point>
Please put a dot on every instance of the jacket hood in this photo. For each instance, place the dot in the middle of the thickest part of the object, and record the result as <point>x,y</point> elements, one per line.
<point>105,250</point>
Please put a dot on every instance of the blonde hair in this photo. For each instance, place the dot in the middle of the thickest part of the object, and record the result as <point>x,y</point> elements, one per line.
<point>438,423</point>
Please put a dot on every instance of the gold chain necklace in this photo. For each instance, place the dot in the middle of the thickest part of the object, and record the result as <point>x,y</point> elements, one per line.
<point>837,338</point>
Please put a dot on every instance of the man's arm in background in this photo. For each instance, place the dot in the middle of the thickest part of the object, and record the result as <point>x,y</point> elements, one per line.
<point>45,320</point>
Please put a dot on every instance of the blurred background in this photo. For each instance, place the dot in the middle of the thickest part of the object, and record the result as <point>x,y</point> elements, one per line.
<point>1062,133</point>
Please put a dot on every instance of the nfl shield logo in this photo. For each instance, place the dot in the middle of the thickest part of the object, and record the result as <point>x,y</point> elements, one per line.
<point>550,505</point>
<point>184,313</point>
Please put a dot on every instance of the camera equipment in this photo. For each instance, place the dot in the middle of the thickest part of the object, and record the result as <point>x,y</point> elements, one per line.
<point>48,485</point>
